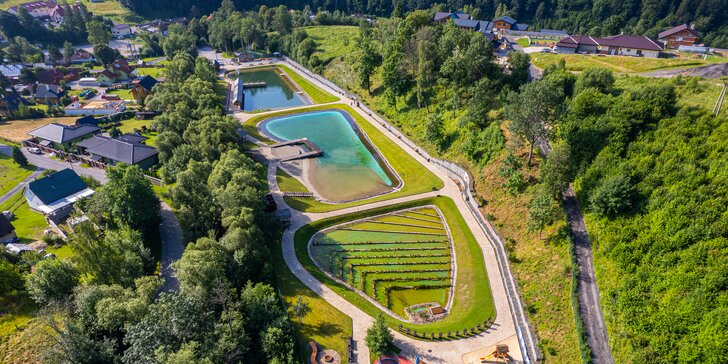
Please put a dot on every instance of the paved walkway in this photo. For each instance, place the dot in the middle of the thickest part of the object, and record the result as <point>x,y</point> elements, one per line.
<point>432,352</point>
<point>172,246</point>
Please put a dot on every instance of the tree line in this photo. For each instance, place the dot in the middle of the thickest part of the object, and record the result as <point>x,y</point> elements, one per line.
<point>590,17</point>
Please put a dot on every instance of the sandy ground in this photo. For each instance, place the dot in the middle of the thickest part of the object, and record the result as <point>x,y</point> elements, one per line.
<point>17,130</point>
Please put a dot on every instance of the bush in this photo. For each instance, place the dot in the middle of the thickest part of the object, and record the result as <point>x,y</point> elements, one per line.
<point>613,197</point>
<point>19,157</point>
<point>53,280</point>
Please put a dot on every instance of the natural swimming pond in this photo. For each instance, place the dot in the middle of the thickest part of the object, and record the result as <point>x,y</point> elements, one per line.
<point>278,92</point>
<point>348,169</point>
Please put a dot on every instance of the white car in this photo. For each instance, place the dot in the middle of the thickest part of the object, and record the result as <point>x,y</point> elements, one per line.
<point>34,150</point>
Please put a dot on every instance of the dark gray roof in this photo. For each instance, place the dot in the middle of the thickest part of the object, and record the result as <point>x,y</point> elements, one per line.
<point>92,142</point>
<point>520,26</point>
<point>120,151</point>
<point>44,91</point>
<point>506,19</point>
<point>132,138</point>
<point>56,186</point>
<point>63,133</point>
<point>147,82</point>
<point>466,23</point>
<point>5,226</point>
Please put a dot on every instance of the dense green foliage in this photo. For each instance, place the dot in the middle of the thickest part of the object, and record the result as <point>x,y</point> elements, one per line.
<point>378,338</point>
<point>589,16</point>
<point>654,178</point>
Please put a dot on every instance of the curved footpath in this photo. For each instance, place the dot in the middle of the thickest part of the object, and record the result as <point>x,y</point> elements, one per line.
<point>503,330</point>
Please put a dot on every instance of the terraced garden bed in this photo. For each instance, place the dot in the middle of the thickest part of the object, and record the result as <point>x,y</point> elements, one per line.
<point>399,259</point>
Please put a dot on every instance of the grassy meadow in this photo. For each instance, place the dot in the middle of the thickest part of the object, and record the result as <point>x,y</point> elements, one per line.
<point>619,64</point>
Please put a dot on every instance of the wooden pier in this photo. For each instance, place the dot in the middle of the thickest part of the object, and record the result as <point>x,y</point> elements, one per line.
<point>256,84</point>
<point>313,149</point>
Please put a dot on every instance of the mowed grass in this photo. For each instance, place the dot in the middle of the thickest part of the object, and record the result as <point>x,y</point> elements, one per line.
<point>417,179</point>
<point>385,265</point>
<point>17,130</point>
<point>325,324</point>
<point>11,174</point>
<point>108,8</point>
<point>317,95</point>
<point>472,301</point>
<point>287,183</point>
<point>156,72</point>
<point>29,225</point>
<point>124,94</point>
<point>619,64</point>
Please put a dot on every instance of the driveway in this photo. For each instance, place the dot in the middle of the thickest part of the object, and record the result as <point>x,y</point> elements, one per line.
<point>172,247</point>
<point>45,162</point>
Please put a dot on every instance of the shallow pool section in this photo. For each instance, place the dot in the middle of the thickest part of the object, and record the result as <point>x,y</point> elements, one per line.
<point>348,170</point>
<point>278,92</point>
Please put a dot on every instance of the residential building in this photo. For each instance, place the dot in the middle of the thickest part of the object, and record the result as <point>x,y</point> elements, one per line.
<point>48,94</point>
<point>95,107</point>
<point>117,71</point>
<point>55,194</point>
<point>143,87</point>
<point>58,13</point>
<point>506,23</point>
<point>11,71</point>
<point>81,56</point>
<point>681,35</point>
<point>54,76</point>
<point>443,17</point>
<point>36,9</point>
<point>62,137</point>
<point>121,31</point>
<point>7,230</point>
<point>128,148</point>
<point>621,45</point>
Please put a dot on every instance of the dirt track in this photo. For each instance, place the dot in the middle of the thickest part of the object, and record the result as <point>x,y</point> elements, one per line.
<point>716,70</point>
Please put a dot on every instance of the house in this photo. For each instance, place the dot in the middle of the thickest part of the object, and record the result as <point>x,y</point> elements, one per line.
<point>17,248</point>
<point>54,76</point>
<point>62,137</point>
<point>48,94</point>
<point>622,45</point>
<point>443,17</point>
<point>81,56</point>
<point>58,12</point>
<point>128,149</point>
<point>37,9</point>
<point>681,35</point>
<point>7,230</point>
<point>11,71</point>
<point>121,31</point>
<point>9,103</point>
<point>55,194</point>
<point>87,120</point>
<point>506,23</point>
<point>143,88</point>
<point>95,107</point>
<point>115,72</point>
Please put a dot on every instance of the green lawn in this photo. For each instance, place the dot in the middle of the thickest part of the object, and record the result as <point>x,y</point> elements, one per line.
<point>385,256</point>
<point>287,183</point>
<point>523,42</point>
<point>317,95</point>
<point>128,126</point>
<point>473,303</point>
<point>156,72</point>
<point>108,8</point>
<point>619,64</point>
<point>124,94</point>
<point>333,41</point>
<point>325,324</point>
<point>29,225</point>
<point>417,179</point>
<point>11,174</point>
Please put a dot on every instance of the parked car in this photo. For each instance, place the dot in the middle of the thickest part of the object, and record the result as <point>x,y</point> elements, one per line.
<point>34,150</point>
<point>546,50</point>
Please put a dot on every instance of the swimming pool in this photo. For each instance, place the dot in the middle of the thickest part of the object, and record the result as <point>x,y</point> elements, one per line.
<point>278,92</point>
<point>348,169</point>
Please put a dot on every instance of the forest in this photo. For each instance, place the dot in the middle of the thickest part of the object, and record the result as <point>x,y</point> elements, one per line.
<point>592,17</point>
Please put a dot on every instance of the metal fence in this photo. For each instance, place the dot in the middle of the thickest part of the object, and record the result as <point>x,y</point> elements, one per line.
<point>526,338</point>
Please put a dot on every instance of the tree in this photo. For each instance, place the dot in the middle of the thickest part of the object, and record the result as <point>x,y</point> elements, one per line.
<point>426,64</point>
<point>98,33</point>
<point>300,309</point>
<point>179,39</point>
<point>180,68</point>
<point>67,50</point>
<point>541,214</point>
<point>282,22</point>
<point>52,280</point>
<point>613,196</point>
<point>367,60</point>
<point>435,130</point>
<point>28,75</point>
<point>106,54</point>
<point>54,54</point>
<point>556,172</point>
<point>19,157</point>
<point>533,111</point>
<point>601,79</point>
<point>198,214</point>
<point>10,278</point>
<point>379,338</point>
<point>394,72</point>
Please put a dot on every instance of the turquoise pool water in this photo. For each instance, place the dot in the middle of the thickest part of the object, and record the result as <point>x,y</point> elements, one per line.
<point>277,94</point>
<point>347,170</point>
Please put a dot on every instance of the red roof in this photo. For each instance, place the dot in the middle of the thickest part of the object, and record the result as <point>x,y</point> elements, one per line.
<point>677,29</point>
